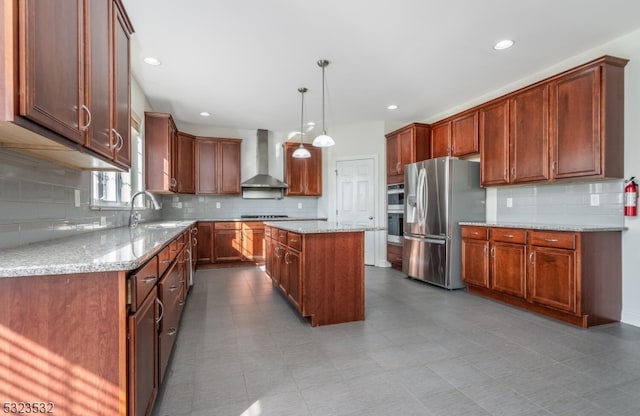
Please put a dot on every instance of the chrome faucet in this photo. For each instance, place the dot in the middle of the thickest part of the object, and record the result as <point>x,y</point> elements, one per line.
<point>133,216</point>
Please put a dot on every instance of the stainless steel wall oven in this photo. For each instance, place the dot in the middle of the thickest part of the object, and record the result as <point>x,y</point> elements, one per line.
<point>395,213</point>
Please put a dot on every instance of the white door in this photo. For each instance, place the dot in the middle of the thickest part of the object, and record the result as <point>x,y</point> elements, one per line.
<point>356,199</point>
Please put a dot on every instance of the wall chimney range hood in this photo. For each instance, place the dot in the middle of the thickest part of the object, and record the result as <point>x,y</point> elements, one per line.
<point>263,185</point>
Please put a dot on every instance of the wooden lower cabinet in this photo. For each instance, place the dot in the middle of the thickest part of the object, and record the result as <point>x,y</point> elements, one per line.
<point>143,356</point>
<point>572,276</point>
<point>230,241</point>
<point>325,292</point>
<point>394,256</point>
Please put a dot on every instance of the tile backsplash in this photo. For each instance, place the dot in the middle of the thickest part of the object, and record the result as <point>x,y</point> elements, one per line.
<point>576,203</point>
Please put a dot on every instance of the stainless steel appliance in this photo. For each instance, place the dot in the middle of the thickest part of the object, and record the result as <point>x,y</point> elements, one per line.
<point>439,193</point>
<point>395,213</point>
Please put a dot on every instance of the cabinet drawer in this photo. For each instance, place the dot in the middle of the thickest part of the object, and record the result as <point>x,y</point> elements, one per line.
<point>394,254</point>
<point>164,260</point>
<point>294,241</point>
<point>473,232</point>
<point>282,236</point>
<point>509,235</point>
<point>226,225</point>
<point>553,239</point>
<point>253,225</point>
<point>267,232</point>
<point>143,281</point>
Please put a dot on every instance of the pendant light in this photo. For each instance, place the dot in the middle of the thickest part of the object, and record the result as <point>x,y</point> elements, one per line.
<point>324,140</point>
<point>301,152</point>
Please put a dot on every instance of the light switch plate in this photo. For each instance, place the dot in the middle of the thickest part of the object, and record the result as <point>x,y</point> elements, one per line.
<point>76,198</point>
<point>217,204</point>
<point>595,200</point>
<point>509,202</point>
<point>299,205</point>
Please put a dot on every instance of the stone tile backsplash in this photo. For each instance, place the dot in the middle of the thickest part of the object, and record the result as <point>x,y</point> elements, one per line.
<point>583,203</point>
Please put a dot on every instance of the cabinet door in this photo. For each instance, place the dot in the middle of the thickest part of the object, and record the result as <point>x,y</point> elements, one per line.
<point>227,245</point>
<point>98,134</point>
<point>440,139</point>
<point>229,168</point>
<point>204,247</point>
<point>575,124</point>
<point>407,148</point>
<point>206,166</point>
<point>464,134</point>
<point>143,357</point>
<point>53,63</point>
<point>494,144</point>
<point>294,172</point>
<point>393,158</point>
<point>313,173</point>
<point>160,144</point>
<point>294,277</point>
<point>529,118</point>
<point>475,262</point>
<point>184,164</point>
<point>276,262</point>
<point>268,256</point>
<point>508,268</point>
<point>253,244</point>
<point>121,104</point>
<point>551,276</point>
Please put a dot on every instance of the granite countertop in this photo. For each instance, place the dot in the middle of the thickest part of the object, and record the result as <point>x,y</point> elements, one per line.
<point>264,219</point>
<point>547,227</point>
<point>115,249</point>
<point>316,227</point>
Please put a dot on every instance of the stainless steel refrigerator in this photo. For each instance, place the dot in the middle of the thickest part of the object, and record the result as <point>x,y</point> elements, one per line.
<point>439,193</point>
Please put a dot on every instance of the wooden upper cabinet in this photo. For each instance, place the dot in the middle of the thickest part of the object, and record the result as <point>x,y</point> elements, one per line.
<point>71,90</point>
<point>406,145</point>
<point>160,156</point>
<point>587,121</point>
<point>53,61</point>
<point>494,143</point>
<point>303,176</point>
<point>217,165</point>
<point>529,135</point>
<point>440,139</point>
<point>464,134</point>
<point>185,171</point>
<point>121,77</point>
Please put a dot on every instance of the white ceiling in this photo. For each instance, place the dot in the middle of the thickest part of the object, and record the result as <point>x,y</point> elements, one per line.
<point>243,60</point>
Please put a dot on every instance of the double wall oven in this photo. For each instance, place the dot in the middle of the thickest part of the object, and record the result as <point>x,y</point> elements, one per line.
<point>395,213</point>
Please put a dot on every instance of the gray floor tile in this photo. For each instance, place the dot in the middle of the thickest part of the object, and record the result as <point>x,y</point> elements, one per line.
<point>422,350</point>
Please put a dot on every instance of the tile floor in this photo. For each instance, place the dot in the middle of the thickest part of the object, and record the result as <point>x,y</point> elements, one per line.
<point>422,350</point>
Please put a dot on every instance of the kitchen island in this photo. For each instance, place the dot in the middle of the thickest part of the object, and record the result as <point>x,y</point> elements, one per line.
<point>319,267</point>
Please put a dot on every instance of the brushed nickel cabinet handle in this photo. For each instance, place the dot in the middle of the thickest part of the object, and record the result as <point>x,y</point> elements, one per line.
<point>172,332</point>
<point>551,240</point>
<point>493,252</point>
<point>86,126</point>
<point>486,251</point>
<point>531,257</point>
<point>149,280</point>
<point>159,302</point>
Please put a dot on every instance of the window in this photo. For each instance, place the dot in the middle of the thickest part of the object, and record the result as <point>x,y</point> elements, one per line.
<point>114,189</point>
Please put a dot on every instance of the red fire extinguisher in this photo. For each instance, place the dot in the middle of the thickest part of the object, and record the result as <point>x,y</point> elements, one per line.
<point>631,197</point>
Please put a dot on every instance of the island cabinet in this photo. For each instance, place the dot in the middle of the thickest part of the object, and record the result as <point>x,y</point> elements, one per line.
<point>572,276</point>
<point>160,162</point>
<point>324,292</point>
<point>566,127</point>
<point>230,241</point>
<point>406,145</point>
<point>303,176</point>
<point>456,136</point>
<point>69,100</point>
<point>217,165</point>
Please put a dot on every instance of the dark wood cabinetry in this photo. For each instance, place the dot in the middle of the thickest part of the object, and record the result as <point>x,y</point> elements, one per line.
<point>217,165</point>
<point>161,137</point>
<point>231,241</point>
<point>406,145</point>
<point>440,139</point>
<point>70,101</point>
<point>185,172</point>
<point>303,176</point>
<point>456,136</point>
<point>569,126</point>
<point>394,256</point>
<point>227,241</point>
<point>326,292</point>
<point>571,276</point>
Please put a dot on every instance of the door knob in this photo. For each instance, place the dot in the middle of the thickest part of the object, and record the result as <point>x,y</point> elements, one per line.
<point>370,218</point>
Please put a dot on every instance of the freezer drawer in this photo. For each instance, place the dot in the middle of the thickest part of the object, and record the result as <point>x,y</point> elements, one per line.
<point>426,259</point>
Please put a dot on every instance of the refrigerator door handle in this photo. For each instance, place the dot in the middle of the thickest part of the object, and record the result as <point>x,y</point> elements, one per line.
<point>425,240</point>
<point>422,197</point>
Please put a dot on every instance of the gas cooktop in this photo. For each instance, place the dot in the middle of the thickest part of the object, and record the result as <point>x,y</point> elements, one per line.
<point>261,216</point>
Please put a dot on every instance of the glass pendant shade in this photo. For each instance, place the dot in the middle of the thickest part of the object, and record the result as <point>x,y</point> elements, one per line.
<point>301,153</point>
<point>324,140</point>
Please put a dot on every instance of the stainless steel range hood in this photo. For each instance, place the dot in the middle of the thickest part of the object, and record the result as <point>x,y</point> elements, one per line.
<point>263,185</point>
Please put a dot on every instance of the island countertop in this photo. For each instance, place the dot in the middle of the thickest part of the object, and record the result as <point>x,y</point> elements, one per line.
<point>545,227</point>
<point>317,227</point>
<point>115,249</point>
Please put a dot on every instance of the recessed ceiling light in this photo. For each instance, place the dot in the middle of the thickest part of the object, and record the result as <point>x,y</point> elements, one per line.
<point>205,114</point>
<point>503,44</point>
<point>392,107</point>
<point>152,61</point>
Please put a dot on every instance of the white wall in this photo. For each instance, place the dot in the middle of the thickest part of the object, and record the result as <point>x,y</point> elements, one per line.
<point>625,47</point>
